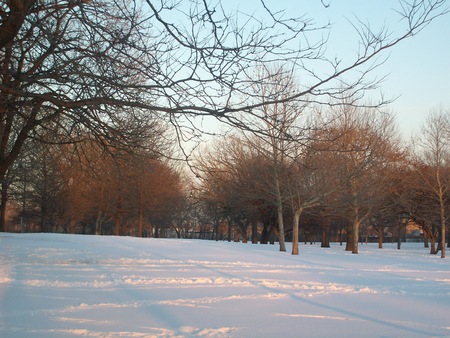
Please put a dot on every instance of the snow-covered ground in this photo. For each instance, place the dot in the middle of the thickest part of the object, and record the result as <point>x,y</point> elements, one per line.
<point>67,286</point>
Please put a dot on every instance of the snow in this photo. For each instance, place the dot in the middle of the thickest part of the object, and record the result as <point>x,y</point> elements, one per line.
<point>54,285</point>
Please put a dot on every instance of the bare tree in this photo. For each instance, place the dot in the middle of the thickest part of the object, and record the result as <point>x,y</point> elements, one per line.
<point>77,65</point>
<point>232,182</point>
<point>433,164</point>
<point>283,125</point>
<point>316,173</point>
<point>366,143</point>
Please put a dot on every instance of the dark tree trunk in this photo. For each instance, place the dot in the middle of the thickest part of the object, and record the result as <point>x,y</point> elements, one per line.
<point>349,242</point>
<point>254,232</point>
<point>141,223</point>
<point>325,238</point>
<point>448,239</point>
<point>216,230</point>
<point>428,232</point>
<point>425,239</point>
<point>272,234</point>
<point>4,200</point>
<point>265,234</point>
<point>433,250</point>
<point>295,232</point>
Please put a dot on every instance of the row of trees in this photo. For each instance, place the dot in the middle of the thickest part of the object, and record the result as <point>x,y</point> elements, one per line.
<point>348,178</point>
<point>82,84</point>
<point>85,188</point>
<point>350,174</point>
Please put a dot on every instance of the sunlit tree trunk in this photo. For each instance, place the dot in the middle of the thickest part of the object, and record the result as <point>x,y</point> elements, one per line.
<point>380,237</point>
<point>295,230</point>
<point>280,217</point>
<point>355,234</point>
<point>428,232</point>
<point>443,225</point>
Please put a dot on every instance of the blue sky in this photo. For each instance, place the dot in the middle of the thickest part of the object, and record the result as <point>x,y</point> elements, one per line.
<point>418,68</point>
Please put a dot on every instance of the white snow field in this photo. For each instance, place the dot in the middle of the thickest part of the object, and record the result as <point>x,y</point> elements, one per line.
<point>54,285</point>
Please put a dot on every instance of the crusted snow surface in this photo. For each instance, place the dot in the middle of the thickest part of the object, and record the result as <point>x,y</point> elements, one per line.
<point>54,285</point>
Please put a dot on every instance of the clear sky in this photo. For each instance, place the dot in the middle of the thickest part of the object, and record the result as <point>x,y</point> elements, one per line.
<point>418,68</point>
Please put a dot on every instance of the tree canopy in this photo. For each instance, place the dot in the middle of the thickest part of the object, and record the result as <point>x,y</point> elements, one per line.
<point>110,66</point>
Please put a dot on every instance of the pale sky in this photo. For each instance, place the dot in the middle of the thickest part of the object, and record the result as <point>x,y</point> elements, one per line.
<point>418,68</point>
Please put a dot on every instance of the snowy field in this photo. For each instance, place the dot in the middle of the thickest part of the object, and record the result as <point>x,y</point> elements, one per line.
<point>68,286</point>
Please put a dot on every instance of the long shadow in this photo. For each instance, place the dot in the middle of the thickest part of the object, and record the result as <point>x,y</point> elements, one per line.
<point>324,306</point>
<point>19,300</point>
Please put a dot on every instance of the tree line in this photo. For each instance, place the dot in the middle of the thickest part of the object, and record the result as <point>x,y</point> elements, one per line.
<point>85,188</point>
<point>86,87</point>
<point>351,177</point>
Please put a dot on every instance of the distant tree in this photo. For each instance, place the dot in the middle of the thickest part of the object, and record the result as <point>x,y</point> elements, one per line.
<point>47,184</point>
<point>433,165</point>
<point>366,144</point>
<point>394,206</point>
<point>284,132</point>
<point>316,173</point>
<point>237,179</point>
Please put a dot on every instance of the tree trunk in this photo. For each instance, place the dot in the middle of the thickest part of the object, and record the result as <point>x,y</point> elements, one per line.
<point>72,227</point>
<point>325,237</point>
<point>98,223</point>
<point>428,232</point>
<point>355,233</point>
<point>141,222</point>
<point>150,231</point>
<point>349,242</point>
<point>272,234</point>
<point>4,200</point>
<point>448,239</point>
<point>216,230</point>
<point>254,232</point>
<point>425,238</point>
<point>442,243</point>
<point>265,234</point>
<point>44,216</point>
<point>237,236</point>
<point>243,231</point>
<point>117,222</point>
<point>280,219</point>
<point>295,226</point>
<point>380,238</point>
<point>433,250</point>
